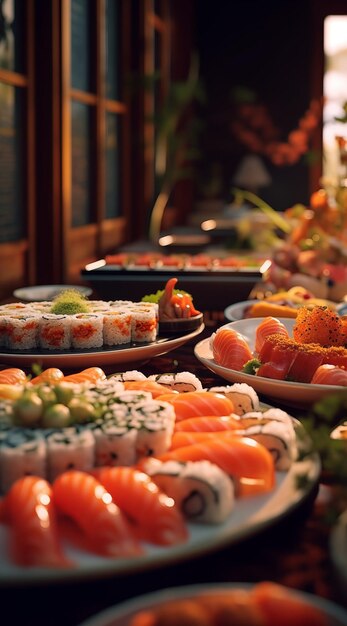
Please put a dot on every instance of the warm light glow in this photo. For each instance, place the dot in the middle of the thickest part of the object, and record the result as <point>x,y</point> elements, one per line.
<point>95,265</point>
<point>42,513</point>
<point>265,266</point>
<point>209,225</point>
<point>167,240</point>
<point>334,90</point>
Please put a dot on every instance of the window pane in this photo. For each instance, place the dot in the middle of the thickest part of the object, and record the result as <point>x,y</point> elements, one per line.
<point>112,50</point>
<point>81,48</point>
<point>12,35</point>
<point>81,165</point>
<point>112,166</point>
<point>12,181</point>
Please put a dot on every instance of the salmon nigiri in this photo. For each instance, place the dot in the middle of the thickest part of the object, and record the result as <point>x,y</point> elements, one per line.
<point>329,375</point>
<point>188,438</point>
<point>156,515</point>
<point>13,376</point>
<point>83,498</point>
<point>199,403</point>
<point>49,375</point>
<point>248,462</point>
<point>230,349</point>
<point>207,423</point>
<point>89,375</point>
<point>156,389</point>
<point>30,511</point>
<point>268,326</point>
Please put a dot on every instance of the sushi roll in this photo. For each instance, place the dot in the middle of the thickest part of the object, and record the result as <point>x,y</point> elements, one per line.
<point>203,492</point>
<point>22,452</point>
<point>262,417</point>
<point>115,443</point>
<point>180,381</point>
<point>279,438</point>
<point>22,331</point>
<point>154,421</point>
<point>55,332</point>
<point>144,324</point>
<point>87,330</point>
<point>117,327</point>
<point>69,448</point>
<point>129,375</point>
<point>243,397</point>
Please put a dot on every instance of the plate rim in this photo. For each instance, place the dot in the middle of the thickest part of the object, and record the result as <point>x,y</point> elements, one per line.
<point>18,293</point>
<point>219,537</point>
<point>116,614</point>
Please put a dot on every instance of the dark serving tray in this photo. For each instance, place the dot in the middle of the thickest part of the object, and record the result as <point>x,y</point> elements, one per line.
<point>212,290</point>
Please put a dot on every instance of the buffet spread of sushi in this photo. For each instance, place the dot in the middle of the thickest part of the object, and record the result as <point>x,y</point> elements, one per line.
<point>185,262</point>
<point>128,460</point>
<point>315,354</point>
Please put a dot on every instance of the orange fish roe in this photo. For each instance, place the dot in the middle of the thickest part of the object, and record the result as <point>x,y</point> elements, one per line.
<point>319,325</point>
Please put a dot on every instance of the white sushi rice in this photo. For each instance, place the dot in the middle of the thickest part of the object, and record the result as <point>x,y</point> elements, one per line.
<point>243,397</point>
<point>180,381</point>
<point>22,451</point>
<point>55,332</point>
<point>87,330</point>
<point>69,448</point>
<point>117,327</point>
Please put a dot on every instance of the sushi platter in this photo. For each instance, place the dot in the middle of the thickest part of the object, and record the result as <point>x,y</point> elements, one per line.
<point>275,491</point>
<point>105,356</point>
<point>123,614</point>
<point>251,515</point>
<point>296,394</point>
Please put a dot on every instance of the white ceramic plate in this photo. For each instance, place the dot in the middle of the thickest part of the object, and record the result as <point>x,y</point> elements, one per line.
<point>39,293</point>
<point>99,356</point>
<point>122,614</point>
<point>236,311</point>
<point>250,516</point>
<point>295,394</point>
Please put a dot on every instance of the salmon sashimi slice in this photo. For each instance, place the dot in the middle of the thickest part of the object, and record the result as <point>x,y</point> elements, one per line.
<point>156,515</point>
<point>156,389</point>
<point>207,423</point>
<point>188,438</point>
<point>13,376</point>
<point>304,366</point>
<point>30,511</point>
<point>269,326</point>
<point>276,371</point>
<point>199,403</point>
<point>230,349</point>
<point>279,605</point>
<point>248,462</point>
<point>329,375</point>
<point>83,498</point>
<point>89,375</point>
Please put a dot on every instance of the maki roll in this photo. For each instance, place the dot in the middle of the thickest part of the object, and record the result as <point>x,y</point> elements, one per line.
<point>115,443</point>
<point>55,332</point>
<point>243,397</point>
<point>22,452</point>
<point>87,330</point>
<point>155,423</point>
<point>117,327</point>
<point>203,491</point>
<point>144,323</point>
<point>180,381</point>
<point>69,448</point>
<point>22,331</point>
<point>279,438</point>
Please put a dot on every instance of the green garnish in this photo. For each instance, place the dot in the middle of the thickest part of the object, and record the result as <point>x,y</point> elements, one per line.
<point>251,367</point>
<point>155,297</point>
<point>69,302</point>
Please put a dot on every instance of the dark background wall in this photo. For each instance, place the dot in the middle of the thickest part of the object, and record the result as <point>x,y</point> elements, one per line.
<point>264,46</point>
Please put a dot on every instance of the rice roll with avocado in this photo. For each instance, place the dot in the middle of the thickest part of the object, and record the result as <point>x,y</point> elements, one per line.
<point>243,397</point>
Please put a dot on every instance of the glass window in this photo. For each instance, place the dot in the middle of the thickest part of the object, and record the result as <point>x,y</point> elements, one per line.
<point>112,50</point>
<point>12,180</point>
<point>12,35</point>
<point>112,208</point>
<point>81,45</point>
<point>81,164</point>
